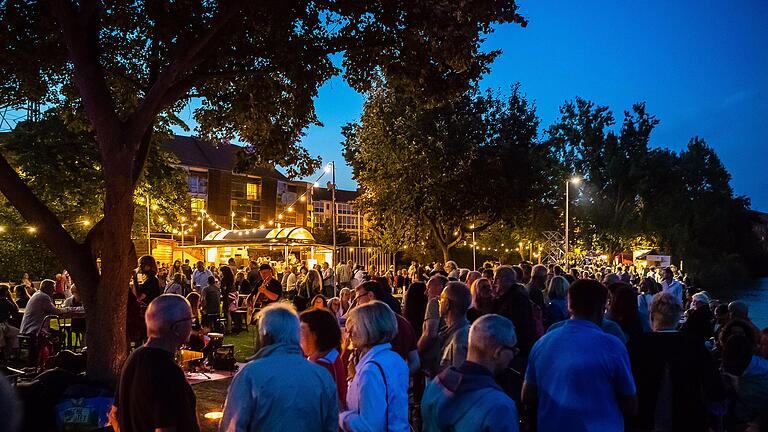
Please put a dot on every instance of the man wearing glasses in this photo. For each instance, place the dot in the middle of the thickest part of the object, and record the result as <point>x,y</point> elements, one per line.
<point>468,398</point>
<point>153,394</point>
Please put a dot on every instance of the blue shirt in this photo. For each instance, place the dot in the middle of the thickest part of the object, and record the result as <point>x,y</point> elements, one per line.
<point>579,371</point>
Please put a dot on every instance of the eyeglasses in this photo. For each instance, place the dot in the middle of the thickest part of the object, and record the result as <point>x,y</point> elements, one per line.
<point>515,350</point>
<point>190,318</point>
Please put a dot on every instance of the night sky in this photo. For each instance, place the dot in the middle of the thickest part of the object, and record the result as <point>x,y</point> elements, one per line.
<point>701,66</point>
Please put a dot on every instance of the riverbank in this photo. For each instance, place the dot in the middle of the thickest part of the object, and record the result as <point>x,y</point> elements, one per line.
<point>755,295</point>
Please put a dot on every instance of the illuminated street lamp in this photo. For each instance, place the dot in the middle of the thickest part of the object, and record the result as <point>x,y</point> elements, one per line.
<point>575,180</point>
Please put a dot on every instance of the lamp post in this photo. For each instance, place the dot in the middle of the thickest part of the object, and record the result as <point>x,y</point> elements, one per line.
<point>574,180</point>
<point>183,220</point>
<point>474,247</point>
<point>149,240</point>
<point>332,168</point>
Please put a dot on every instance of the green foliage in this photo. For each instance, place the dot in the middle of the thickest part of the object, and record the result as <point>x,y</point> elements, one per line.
<point>431,173</point>
<point>324,235</point>
<point>681,203</point>
<point>60,164</point>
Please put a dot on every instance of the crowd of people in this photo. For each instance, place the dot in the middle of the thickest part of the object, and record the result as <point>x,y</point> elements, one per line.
<point>437,347</point>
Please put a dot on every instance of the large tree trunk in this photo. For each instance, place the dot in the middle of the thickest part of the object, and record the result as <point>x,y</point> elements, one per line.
<point>106,333</point>
<point>446,251</point>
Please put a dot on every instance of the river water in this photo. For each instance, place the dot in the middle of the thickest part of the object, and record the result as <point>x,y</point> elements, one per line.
<point>755,295</point>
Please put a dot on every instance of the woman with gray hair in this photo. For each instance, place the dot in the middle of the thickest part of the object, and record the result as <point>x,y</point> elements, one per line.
<point>377,398</point>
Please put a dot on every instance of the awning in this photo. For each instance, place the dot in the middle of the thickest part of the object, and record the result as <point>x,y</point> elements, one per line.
<point>290,236</point>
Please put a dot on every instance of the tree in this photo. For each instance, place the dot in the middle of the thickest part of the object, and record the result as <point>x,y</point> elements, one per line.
<point>614,167</point>
<point>51,157</point>
<point>121,68</point>
<point>441,171</point>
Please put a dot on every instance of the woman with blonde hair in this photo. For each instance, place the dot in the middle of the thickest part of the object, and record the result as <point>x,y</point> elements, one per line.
<point>482,299</point>
<point>377,398</point>
<point>557,308</point>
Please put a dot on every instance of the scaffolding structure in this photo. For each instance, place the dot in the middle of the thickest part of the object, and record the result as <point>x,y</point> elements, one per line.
<point>553,248</point>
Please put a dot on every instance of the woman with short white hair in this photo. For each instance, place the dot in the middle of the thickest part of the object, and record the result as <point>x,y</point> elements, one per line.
<point>377,398</point>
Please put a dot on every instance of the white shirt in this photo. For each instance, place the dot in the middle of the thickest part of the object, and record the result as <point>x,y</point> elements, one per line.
<point>200,278</point>
<point>372,406</point>
<point>674,288</point>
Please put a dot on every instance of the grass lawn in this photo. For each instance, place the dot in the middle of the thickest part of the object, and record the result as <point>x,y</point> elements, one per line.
<point>211,394</point>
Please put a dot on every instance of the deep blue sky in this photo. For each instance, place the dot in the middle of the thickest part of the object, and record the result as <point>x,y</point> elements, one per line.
<point>701,66</point>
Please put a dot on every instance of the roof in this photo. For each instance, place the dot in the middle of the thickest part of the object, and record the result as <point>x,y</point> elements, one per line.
<point>324,194</point>
<point>196,153</point>
<point>266,237</point>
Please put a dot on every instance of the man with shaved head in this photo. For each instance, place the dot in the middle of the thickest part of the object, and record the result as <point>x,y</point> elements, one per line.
<point>153,394</point>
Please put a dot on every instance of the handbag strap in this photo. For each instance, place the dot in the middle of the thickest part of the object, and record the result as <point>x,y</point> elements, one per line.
<point>386,394</point>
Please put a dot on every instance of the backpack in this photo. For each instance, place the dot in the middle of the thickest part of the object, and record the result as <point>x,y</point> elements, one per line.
<point>537,315</point>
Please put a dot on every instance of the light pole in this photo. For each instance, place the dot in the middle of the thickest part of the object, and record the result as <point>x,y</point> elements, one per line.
<point>574,180</point>
<point>232,221</point>
<point>474,247</point>
<point>149,240</point>
<point>183,220</point>
<point>332,168</point>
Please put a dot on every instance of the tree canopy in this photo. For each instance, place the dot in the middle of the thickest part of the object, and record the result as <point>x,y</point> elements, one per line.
<point>442,171</point>
<point>121,68</point>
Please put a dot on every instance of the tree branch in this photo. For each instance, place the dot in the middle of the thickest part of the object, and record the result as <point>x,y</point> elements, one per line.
<point>36,213</point>
<point>81,36</point>
<point>186,59</point>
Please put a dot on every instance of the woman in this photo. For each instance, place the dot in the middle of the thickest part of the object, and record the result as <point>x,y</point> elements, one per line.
<point>150,288</point>
<point>482,299</point>
<point>537,285</point>
<point>472,277</point>
<point>194,303</point>
<point>176,268</point>
<point>415,306</point>
<point>377,398</point>
<point>320,339</point>
<point>9,335</point>
<point>648,288</point>
<point>176,286</point>
<point>675,375</point>
<point>345,295</point>
<point>22,296</point>
<point>242,283</point>
<point>319,302</point>
<point>25,280</point>
<point>334,305</point>
<point>227,285</point>
<point>623,309</point>
<point>557,308</point>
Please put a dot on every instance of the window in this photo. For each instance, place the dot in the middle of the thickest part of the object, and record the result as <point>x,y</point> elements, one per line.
<point>253,192</point>
<point>248,210</point>
<point>197,182</point>
<point>197,204</point>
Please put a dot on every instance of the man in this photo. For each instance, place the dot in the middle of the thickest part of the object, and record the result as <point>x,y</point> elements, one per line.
<point>670,285</point>
<point>452,337</point>
<point>467,398</point>
<point>289,282</point>
<point>268,289</point>
<point>405,340</point>
<point>187,270</point>
<point>279,390</point>
<point>737,309</point>
<point>329,283</point>
<point>200,277</point>
<point>578,377</point>
<point>41,305</point>
<point>344,274</point>
<point>232,263</point>
<point>153,393</point>
<point>512,301</point>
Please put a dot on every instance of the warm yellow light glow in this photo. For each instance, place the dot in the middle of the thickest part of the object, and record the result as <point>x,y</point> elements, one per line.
<point>575,180</point>
<point>233,214</point>
<point>161,219</point>
<point>32,229</point>
<point>214,415</point>
<point>290,209</point>
<point>86,222</point>
<point>280,216</point>
<point>303,198</point>
<point>261,227</point>
<point>183,219</point>
<point>245,219</point>
<point>194,224</point>
<point>2,229</point>
<point>154,206</point>
<point>271,222</point>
